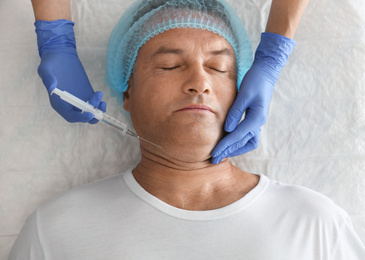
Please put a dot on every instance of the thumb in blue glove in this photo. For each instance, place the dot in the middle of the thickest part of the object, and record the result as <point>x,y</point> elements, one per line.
<point>60,67</point>
<point>253,98</point>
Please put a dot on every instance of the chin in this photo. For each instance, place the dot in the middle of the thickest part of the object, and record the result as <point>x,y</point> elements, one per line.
<point>190,144</point>
<point>193,150</point>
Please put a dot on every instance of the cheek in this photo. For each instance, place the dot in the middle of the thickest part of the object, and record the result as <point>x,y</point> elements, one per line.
<point>157,89</point>
<point>233,96</point>
<point>227,96</point>
<point>147,100</point>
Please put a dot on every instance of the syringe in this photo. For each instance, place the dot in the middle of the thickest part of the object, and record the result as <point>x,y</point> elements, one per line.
<point>98,114</point>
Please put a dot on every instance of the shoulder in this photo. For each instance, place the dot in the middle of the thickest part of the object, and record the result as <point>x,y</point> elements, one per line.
<point>311,219</point>
<point>305,201</point>
<point>85,198</point>
<point>63,215</point>
<point>97,189</point>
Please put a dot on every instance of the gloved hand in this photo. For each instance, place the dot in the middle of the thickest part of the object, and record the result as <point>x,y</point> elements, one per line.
<point>254,98</point>
<point>60,67</point>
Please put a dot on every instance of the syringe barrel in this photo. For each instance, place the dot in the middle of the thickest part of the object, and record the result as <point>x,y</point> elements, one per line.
<point>98,114</point>
<point>115,123</point>
<point>80,104</point>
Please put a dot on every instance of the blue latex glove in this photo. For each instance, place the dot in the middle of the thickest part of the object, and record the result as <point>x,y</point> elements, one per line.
<point>254,98</point>
<point>60,67</point>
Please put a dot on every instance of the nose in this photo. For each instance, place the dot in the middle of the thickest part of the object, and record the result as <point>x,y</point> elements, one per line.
<point>197,81</point>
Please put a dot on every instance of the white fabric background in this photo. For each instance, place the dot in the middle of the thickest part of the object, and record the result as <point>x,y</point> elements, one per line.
<point>314,136</point>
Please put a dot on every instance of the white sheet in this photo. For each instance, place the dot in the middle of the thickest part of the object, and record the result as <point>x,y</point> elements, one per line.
<point>314,136</point>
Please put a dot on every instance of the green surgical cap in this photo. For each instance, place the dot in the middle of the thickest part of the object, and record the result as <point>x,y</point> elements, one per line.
<point>145,19</point>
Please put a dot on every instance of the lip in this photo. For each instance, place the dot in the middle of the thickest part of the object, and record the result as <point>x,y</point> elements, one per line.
<point>196,107</point>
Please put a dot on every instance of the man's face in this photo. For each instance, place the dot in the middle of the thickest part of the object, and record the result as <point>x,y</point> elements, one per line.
<point>182,86</point>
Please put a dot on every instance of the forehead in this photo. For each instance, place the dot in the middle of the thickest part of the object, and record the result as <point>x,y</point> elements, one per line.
<point>183,40</point>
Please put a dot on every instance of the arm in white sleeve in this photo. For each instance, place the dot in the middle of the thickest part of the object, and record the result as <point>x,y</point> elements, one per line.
<point>349,245</point>
<point>28,246</point>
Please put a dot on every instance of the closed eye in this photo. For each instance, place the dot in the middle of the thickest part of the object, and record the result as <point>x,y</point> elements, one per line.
<point>170,68</point>
<point>221,71</point>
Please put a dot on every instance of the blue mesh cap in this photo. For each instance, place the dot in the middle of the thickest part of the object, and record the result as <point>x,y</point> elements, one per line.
<point>145,19</point>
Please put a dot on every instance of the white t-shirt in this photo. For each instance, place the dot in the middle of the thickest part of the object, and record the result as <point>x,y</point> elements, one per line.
<point>116,218</point>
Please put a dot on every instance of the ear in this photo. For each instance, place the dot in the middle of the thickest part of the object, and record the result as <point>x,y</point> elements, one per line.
<point>126,95</point>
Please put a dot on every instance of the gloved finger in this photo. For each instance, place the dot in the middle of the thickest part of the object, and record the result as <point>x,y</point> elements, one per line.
<point>95,98</point>
<point>232,138</point>
<point>235,113</point>
<point>231,148</point>
<point>252,144</point>
<point>102,107</point>
<point>73,116</point>
<point>249,124</point>
<point>93,121</point>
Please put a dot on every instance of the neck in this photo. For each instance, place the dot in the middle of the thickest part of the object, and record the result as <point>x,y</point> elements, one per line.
<point>194,186</point>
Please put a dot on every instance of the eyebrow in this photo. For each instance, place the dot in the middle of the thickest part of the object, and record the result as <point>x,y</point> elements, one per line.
<point>224,51</point>
<point>166,50</point>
